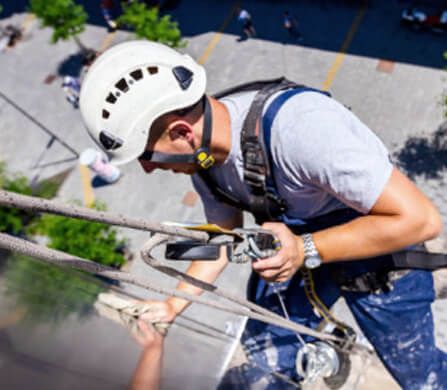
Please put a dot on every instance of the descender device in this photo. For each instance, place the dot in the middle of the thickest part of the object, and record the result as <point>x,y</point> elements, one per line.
<point>241,245</point>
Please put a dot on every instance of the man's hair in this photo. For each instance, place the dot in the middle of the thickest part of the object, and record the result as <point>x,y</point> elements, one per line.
<point>185,111</point>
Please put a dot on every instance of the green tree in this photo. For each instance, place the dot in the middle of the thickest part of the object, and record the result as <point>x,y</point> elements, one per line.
<point>14,220</point>
<point>90,240</point>
<point>65,17</point>
<point>48,293</point>
<point>147,24</point>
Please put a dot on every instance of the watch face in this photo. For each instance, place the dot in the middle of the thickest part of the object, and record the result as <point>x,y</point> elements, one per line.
<point>312,262</point>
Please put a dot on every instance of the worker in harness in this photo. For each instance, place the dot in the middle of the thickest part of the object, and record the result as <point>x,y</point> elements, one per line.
<point>308,169</point>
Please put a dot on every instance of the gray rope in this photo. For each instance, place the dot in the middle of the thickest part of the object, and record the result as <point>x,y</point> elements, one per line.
<point>63,259</point>
<point>280,321</point>
<point>249,309</point>
<point>158,239</point>
<point>59,258</point>
<point>12,199</point>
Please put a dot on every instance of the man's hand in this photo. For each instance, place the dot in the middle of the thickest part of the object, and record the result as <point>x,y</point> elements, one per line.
<point>161,311</point>
<point>148,336</point>
<point>147,375</point>
<point>287,261</point>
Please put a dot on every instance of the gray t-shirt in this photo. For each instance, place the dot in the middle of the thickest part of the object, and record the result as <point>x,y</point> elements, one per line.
<point>324,159</point>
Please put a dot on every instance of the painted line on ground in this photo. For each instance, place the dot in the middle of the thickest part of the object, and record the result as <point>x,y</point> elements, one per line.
<point>217,36</point>
<point>107,41</point>
<point>344,48</point>
<point>27,22</point>
<point>86,180</point>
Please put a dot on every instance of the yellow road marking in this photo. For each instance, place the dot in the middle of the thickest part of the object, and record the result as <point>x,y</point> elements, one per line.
<point>27,22</point>
<point>217,36</point>
<point>89,195</point>
<point>344,48</point>
<point>107,41</point>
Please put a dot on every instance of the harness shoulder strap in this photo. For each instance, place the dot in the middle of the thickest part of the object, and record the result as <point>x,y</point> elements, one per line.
<point>264,202</point>
<point>269,117</point>
<point>247,87</point>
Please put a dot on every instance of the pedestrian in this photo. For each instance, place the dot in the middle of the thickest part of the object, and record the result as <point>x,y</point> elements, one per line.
<point>245,19</point>
<point>71,86</point>
<point>107,13</point>
<point>291,25</point>
<point>324,185</point>
<point>9,36</point>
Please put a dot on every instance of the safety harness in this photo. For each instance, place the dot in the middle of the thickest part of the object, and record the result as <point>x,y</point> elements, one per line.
<point>265,203</point>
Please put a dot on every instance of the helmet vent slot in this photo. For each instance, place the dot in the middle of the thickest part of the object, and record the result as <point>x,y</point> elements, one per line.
<point>105,114</point>
<point>183,76</point>
<point>122,85</point>
<point>111,98</point>
<point>137,74</point>
<point>152,69</point>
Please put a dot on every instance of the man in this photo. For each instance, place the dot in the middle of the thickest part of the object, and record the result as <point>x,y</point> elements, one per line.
<point>245,19</point>
<point>291,25</point>
<point>142,100</point>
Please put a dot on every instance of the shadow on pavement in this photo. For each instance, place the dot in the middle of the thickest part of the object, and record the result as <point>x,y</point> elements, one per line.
<point>323,23</point>
<point>71,66</point>
<point>99,182</point>
<point>425,156</point>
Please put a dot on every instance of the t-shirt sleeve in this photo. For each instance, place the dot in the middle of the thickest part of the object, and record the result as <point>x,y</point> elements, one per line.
<point>215,211</point>
<point>337,153</point>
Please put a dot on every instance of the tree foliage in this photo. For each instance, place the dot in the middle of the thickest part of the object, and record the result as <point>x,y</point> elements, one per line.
<point>65,17</point>
<point>14,220</point>
<point>147,24</point>
<point>91,240</point>
<point>46,292</point>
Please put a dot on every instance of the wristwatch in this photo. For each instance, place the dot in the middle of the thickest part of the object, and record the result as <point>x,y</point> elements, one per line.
<point>312,258</point>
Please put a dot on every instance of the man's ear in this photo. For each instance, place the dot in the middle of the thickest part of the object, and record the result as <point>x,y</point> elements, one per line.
<point>182,130</point>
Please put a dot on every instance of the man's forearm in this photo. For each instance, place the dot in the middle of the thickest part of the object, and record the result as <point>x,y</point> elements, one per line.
<point>148,371</point>
<point>369,236</point>
<point>207,271</point>
<point>401,216</point>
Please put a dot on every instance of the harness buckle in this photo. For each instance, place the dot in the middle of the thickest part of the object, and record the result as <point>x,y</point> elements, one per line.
<point>204,159</point>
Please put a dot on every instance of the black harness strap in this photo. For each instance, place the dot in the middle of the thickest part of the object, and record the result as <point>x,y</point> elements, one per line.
<point>419,260</point>
<point>263,203</point>
<point>248,87</point>
<point>202,156</point>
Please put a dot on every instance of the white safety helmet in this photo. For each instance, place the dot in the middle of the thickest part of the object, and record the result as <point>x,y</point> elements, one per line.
<point>129,86</point>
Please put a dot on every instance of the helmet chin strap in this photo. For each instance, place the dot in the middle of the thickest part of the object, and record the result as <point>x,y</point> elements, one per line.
<point>201,156</point>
